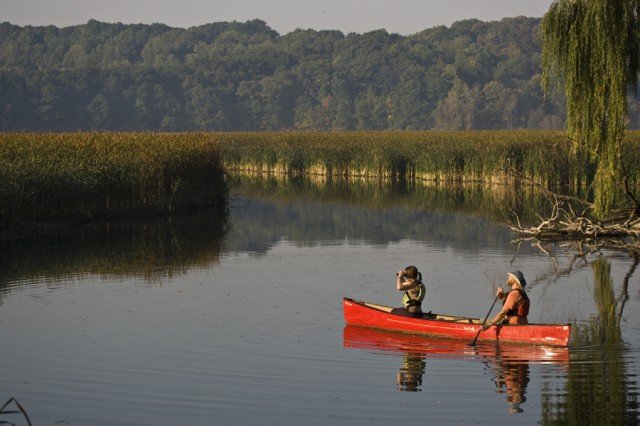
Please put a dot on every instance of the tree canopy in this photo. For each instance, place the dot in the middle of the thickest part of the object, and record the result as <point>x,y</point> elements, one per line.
<point>245,76</point>
<point>594,47</point>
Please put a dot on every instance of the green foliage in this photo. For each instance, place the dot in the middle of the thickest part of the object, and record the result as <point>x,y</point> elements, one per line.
<point>500,157</point>
<point>594,46</point>
<point>84,175</point>
<point>487,156</point>
<point>245,76</point>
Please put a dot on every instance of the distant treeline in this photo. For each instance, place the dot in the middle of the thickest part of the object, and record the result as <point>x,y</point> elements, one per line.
<point>245,76</point>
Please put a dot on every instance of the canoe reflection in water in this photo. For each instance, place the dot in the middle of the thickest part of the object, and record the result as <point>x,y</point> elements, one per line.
<point>509,362</point>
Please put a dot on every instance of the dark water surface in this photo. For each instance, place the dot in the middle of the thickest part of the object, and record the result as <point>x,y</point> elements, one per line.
<point>203,320</point>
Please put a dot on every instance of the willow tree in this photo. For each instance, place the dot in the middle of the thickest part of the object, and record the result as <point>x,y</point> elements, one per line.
<point>592,45</point>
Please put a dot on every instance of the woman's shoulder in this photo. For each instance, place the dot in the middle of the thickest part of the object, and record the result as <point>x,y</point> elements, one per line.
<point>515,294</point>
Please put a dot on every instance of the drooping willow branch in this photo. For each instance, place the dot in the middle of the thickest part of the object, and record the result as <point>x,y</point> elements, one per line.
<point>594,47</point>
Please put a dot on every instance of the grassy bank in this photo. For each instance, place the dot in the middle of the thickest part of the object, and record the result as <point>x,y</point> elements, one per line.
<point>71,176</point>
<point>478,156</point>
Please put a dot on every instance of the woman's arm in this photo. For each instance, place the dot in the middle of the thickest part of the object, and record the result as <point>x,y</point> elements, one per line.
<point>497,318</point>
<point>407,285</point>
<point>403,284</point>
<point>509,304</point>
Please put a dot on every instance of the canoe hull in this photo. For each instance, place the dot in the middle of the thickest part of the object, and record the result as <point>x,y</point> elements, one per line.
<point>362,314</point>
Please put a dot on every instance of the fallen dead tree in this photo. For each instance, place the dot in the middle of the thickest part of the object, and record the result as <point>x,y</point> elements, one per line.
<point>565,223</point>
<point>579,232</point>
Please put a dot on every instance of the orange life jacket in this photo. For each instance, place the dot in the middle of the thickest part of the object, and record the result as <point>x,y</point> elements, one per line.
<point>522,308</point>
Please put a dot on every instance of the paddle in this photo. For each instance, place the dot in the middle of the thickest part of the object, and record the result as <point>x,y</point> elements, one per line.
<point>473,343</point>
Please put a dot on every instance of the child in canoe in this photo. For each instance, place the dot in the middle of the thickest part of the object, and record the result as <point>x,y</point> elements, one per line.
<point>409,280</point>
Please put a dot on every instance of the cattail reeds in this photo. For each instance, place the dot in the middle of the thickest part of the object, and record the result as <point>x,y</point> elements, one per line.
<point>70,176</point>
<point>489,157</point>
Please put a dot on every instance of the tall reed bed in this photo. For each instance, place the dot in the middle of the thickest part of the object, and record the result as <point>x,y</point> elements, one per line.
<point>481,156</point>
<point>85,175</point>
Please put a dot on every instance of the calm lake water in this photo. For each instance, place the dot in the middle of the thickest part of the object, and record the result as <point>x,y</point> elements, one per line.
<point>238,321</point>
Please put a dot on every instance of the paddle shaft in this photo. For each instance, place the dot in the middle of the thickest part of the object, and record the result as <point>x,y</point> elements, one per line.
<point>485,320</point>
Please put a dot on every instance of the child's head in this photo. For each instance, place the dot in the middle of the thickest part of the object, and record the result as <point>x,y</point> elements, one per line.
<point>411,272</point>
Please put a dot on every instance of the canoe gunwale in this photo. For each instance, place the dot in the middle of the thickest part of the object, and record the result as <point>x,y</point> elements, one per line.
<point>444,317</point>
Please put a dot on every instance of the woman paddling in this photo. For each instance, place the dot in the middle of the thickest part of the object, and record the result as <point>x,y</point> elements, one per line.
<point>516,305</point>
<point>409,280</point>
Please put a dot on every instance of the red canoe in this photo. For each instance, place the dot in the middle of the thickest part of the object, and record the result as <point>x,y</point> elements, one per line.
<point>379,316</point>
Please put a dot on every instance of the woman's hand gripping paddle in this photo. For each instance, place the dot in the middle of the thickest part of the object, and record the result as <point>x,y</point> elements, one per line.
<point>473,343</point>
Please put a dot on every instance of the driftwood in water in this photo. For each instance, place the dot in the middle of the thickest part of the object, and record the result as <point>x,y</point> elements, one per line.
<point>565,224</point>
<point>620,231</point>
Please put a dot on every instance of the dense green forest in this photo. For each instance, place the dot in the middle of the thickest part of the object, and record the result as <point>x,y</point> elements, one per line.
<point>245,76</point>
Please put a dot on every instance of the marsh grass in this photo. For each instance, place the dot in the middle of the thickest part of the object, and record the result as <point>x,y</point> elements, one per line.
<point>542,157</point>
<point>64,176</point>
<point>71,176</point>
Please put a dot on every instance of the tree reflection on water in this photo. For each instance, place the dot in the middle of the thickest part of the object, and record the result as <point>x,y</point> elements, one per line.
<point>598,377</point>
<point>146,249</point>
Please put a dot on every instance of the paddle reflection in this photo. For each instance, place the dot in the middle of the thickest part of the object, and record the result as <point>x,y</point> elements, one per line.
<point>509,363</point>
